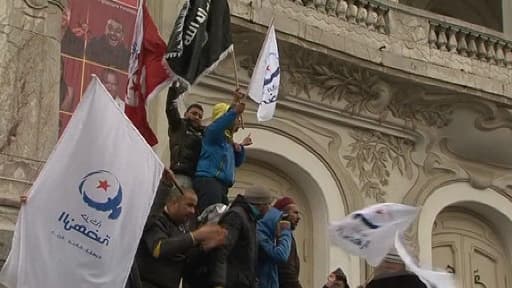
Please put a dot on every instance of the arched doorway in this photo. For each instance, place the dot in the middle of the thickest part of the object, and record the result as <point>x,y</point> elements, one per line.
<point>465,243</point>
<point>261,173</point>
<point>468,229</point>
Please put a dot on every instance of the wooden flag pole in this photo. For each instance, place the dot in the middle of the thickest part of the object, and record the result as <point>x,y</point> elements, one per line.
<point>237,84</point>
<point>169,175</point>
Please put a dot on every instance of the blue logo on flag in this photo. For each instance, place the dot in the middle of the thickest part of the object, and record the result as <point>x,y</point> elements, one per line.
<point>102,191</point>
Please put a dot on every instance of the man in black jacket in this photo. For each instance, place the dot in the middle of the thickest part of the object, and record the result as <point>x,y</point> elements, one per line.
<point>185,140</point>
<point>166,242</point>
<point>185,135</point>
<point>234,264</point>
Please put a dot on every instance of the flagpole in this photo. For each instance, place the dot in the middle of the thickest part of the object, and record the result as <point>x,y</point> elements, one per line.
<point>237,83</point>
<point>170,175</point>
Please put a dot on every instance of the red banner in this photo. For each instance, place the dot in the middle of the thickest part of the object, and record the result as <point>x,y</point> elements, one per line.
<point>96,38</point>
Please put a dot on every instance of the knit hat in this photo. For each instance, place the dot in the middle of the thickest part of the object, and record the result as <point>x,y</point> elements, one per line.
<point>218,110</point>
<point>281,203</point>
<point>258,195</point>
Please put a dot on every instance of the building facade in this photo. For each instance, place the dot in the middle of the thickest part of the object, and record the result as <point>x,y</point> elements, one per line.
<point>380,101</point>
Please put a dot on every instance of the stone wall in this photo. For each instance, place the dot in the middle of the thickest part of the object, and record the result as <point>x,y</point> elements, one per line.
<point>29,81</point>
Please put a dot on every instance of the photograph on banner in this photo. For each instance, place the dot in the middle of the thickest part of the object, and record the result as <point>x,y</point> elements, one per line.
<point>114,80</point>
<point>70,83</point>
<point>95,33</point>
<point>111,35</point>
<point>74,28</point>
<point>64,118</point>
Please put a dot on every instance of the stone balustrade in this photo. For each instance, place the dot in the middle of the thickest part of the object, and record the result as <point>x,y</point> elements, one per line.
<point>366,13</point>
<point>470,43</point>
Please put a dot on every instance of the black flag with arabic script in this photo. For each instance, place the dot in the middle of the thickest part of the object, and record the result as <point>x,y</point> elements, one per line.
<point>201,38</point>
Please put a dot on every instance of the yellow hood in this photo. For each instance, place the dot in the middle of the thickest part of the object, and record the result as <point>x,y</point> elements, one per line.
<point>219,110</point>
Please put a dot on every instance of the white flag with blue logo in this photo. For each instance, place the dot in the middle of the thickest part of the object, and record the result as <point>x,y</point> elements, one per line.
<point>370,232</point>
<point>264,85</point>
<point>85,212</point>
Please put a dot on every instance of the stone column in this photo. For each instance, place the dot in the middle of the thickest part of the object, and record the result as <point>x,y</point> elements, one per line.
<point>507,17</point>
<point>29,99</point>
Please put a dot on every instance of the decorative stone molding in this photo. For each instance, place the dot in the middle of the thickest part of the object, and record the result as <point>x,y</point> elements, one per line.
<point>373,156</point>
<point>41,4</point>
<point>359,90</point>
<point>367,13</point>
<point>37,4</point>
<point>470,43</point>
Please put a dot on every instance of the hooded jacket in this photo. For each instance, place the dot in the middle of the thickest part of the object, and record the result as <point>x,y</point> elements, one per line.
<point>234,264</point>
<point>273,249</point>
<point>218,157</point>
<point>184,139</point>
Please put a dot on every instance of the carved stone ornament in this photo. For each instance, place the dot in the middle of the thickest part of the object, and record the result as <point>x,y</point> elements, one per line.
<point>37,4</point>
<point>373,156</point>
<point>41,4</point>
<point>358,90</point>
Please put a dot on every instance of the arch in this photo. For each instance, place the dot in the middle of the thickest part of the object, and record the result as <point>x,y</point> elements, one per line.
<point>488,203</point>
<point>322,193</point>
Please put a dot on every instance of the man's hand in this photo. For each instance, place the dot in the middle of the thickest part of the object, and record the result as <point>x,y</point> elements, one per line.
<point>247,141</point>
<point>210,236</point>
<point>238,96</point>
<point>239,108</point>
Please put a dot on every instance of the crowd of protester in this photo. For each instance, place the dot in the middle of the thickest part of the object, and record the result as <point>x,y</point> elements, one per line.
<point>195,238</point>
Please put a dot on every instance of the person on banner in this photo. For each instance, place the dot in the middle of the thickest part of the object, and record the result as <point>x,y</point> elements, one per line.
<point>220,155</point>
<point>289,271</point>
<point>109,49</point>
<point>234,264</point>
<point>110,80</point>
<point>337,279</point>
<point>392,273</point>
<point>274,243</point>
<point>70,43</point>
<point>167,242</point>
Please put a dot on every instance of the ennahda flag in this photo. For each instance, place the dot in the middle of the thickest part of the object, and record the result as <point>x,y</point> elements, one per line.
<point>86,210</point>
<point>201,38</point>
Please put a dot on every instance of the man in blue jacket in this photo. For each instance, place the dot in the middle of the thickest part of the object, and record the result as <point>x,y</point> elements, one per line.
<point>274,243</point>
<point>215,172</point>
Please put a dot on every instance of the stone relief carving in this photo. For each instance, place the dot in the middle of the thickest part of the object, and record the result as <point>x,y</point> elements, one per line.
<point>373,156</point>
<point>41,4</point>
<point>359,90</point>
<point>37,4</point>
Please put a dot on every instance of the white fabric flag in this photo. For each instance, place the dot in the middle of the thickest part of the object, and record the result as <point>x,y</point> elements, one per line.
<point>86,210</point>
<point>370,232</point>
<point>432,279</point>
<point>264,85</point>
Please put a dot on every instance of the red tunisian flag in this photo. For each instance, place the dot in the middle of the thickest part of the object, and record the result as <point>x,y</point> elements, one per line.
<point>148,72</point>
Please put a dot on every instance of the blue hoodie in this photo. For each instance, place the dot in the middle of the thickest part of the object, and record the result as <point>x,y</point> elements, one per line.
<point>272,250</point>
<point>218,157</point>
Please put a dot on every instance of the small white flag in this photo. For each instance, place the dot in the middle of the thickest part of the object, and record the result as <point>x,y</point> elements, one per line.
<point>432,279</point>
<point>86,210</point>
<point>370,232</point>
<point>264,85</point>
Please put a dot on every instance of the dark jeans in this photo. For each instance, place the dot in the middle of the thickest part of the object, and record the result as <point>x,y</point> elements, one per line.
<point>209,191</point>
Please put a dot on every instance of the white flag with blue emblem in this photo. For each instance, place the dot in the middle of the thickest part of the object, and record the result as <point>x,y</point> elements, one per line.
<point>370,232</point>
<point>264,85</point>
<point>85,212</point>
